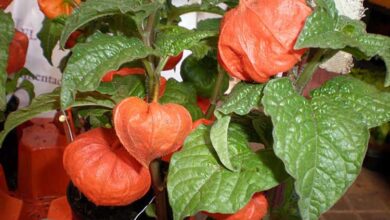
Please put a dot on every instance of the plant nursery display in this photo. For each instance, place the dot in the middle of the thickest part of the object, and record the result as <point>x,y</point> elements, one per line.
<point>170,149</point>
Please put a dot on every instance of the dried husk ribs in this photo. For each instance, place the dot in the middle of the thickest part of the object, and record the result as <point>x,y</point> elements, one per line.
<point>151,130</point>
<point>257,38</point>
<point>103,170</point>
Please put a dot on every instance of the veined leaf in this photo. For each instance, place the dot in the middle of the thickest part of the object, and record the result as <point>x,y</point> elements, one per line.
<point>325,29</point>
<point>243,98</point>
<point>173,40</point>
<point>372,104</point>
<point>241,101</point>
<point>50,35</point>
<point>219,140</point>
<point>322,142</point>
<point>175,13</point>
<point>6,34</point>
<point>211,24</point>
<point>49,102</point>
<point>94,9</point>
<point>91,61</point>
<point>197,181</point>
<point>183,94</point>
<point>124,86</point>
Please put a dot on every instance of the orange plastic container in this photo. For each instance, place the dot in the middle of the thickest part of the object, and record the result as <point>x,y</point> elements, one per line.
<point>10,207</point>
<point>60,210</point>
<point>3,183</point>
<point>40,170</point>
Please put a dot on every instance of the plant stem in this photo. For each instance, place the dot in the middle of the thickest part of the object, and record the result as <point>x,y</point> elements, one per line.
<point>148,38</point>
<point>154,83</point>
<point>157,74</point>
<point>314,62</point>
<point>215,95</point>
<point>159,190</point>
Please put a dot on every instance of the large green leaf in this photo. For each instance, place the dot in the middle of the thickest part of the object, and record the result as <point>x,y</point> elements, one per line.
<point>124,86</point>
<point>173,39</point>
<point>243,98</point>
<point>94,9</point>
<point>6,35</point>
<point>49,102</point>
<point>91,61</point>
<point>50,35</point>
<point>241,101</point>
<point>219,139</point>
<point>325,29</point>
<point>372,104</point>
<point>197,181</point>
<point>183,94</point>
<point>322,142</point>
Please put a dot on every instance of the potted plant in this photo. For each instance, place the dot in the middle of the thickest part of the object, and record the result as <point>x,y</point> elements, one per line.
<point>313,146</point>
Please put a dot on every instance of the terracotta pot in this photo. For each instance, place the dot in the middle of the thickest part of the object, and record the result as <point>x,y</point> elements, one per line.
<point>40,169</point>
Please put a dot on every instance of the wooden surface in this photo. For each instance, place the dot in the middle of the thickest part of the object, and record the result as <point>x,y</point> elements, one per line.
<point>383,3</point>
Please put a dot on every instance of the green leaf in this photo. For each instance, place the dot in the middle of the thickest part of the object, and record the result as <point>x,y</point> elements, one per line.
<point>91,61</point>
<point>200,50</point>
<point>6,35</point>
<point>49,102</point>
<point>219,140</point>
<point>173,39</point>
<point>263,127</point>
<point>373,76</point>
<point>12,82</point>
<point>29,88</point>
<point>124,86</point>
<point>94,9</point>
<point>183,94</point>
<point>197,181</point>
<point>243,98</point>
<point>202,74</point>
<point>175,12</point>
<point>50,35</point>
<point>123,24</point>
<point>40,104</point>
<point>372,104</point>
<point>212,24</point>
<point>322,142</point>
<point>151,211</point>
<point>325,29</point>
<point>93,99</point>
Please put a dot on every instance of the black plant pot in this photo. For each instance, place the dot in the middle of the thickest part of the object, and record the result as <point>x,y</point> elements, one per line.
<point>83,209</point>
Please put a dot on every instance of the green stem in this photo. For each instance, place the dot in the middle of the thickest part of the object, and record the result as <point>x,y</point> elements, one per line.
<point>159,190</point>
<point>148,38</point>
<point>314,62</point>
<point>215,95</point>
<point>157,73</point>
<point>154,83</point>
